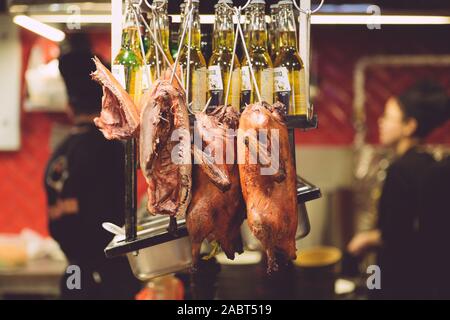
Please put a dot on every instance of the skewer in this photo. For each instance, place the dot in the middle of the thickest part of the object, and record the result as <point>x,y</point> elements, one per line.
<point>141,44</point>
<point>183,35</point>
<point>238,12</point>
<point>230,77</point>
<point>244,46</point>
<point>162,52</point>
<point>188,82</point>
<point>158,67</point>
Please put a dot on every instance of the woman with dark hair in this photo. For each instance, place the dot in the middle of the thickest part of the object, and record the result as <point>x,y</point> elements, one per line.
<point>407,121</point>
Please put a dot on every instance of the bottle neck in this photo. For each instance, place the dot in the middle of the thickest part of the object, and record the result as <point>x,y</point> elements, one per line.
<point>257,18</point>
<point>161,25</point>
<point>215,36</point>
<point>273,26</point>
<point>195,28</point>
<point>257,28</point>
<point>130,34</point>
<point>182,20</point>
<point>286,27</point>
<point>225,30</point>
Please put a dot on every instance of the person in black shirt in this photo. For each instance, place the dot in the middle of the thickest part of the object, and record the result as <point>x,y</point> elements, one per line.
<point>84,181</point>
<point>407,120</point>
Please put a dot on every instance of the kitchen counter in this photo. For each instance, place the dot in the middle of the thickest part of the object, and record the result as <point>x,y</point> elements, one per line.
<point>38,279</point>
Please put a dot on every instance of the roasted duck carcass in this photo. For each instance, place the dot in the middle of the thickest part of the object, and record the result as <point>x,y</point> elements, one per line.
<point>165,148</point>
<point>216,210</point>
<point>268,180</point>
<point>119,118</point>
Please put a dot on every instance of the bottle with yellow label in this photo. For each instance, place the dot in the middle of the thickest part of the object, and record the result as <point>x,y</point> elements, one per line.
<point>159,24</point>
<point>128,67</point>
<point>220,61</point>
<point>128,64</point>
<point>198,71</point>
<point>289,71</point>
<point>259,56</point>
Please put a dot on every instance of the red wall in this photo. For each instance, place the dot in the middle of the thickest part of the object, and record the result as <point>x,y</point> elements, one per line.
<point>22,202</point>
<point>336,51</point>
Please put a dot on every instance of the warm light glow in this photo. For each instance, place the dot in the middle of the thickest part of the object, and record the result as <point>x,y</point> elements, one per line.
<point>39,28</point>
<point>66,18</point>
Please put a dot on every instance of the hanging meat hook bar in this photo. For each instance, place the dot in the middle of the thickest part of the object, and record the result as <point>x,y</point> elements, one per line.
<point>132,242</point>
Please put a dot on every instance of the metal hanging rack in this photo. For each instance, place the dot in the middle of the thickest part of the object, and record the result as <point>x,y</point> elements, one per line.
<point>130,242</point>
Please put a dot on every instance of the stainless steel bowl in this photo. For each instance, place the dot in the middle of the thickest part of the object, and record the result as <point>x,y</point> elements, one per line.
<point>162,259</point>
<point>155,252</point>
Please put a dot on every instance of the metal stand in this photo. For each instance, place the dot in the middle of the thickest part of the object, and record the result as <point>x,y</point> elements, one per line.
<point>306,191</point>
<point>130,189</point>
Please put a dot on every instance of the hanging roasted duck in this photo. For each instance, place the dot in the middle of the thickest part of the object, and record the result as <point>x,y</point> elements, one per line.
<point>119,118</point>
<point>216,210</point>
<point>268,180</point>
<point>165,148</point>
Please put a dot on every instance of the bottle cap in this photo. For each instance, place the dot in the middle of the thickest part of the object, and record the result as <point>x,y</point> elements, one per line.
<point>284,2</point>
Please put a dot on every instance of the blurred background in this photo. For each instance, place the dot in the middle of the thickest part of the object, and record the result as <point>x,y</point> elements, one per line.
<point>355,68</point>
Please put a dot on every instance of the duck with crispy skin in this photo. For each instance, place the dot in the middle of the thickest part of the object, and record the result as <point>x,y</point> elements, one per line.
<point>270,197</point>
<point>216,210</point>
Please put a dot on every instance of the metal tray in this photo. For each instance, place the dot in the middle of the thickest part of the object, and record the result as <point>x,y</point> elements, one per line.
<point>292,122</point>
<point>155,231</point>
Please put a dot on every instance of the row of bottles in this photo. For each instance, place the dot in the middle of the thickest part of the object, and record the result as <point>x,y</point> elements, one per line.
<point>278,69</point>
<point>128,65</point>
<point>160,27</point>
<point>139,61</point>
<point>276,64</point>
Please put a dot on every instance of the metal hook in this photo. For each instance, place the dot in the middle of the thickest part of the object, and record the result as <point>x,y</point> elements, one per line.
<point>141,43</point>
<point>181,44</point>
<point>308,12</point>
<point>244,45</point>
<point>152,6</point>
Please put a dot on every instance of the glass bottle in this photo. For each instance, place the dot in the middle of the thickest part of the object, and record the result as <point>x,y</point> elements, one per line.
<point>259,56</point>
<point>220,61</point>
<point>289,71</point>
<point>273,31</point>
<point>215,27</point>
<point>180,29</point>
<point>198,72</point>
<point>145,35</point>
<point>159,24</point>
<point>128,64</point>
<point>245,27</point>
